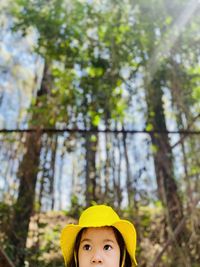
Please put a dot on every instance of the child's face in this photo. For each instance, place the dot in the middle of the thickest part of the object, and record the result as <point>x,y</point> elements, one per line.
<point>98,248</point>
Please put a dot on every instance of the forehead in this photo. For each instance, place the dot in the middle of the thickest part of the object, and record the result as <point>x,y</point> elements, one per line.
<point>103,232</point>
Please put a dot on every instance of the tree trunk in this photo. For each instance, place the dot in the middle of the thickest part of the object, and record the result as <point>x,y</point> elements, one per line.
<point>107,168</point>
<point>52,173</point>
<point>129,185</point>
<point>24,205</point>
<point>163,161</point>
<point>117,170</point>
<point>27,174</point>
<point>92,186</point>
<point>167,189</point>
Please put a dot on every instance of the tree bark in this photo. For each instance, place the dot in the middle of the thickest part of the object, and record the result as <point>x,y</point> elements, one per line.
<point>163,161</point>
<point>129,184</point>
<point>27,174</point>
<point>163,158</point>
<point>24,205</point>
<point>107,168</point>
<point>92,186</point>
<point>117,171</point>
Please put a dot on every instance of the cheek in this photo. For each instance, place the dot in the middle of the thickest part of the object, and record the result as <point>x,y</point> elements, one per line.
<point>82,258</point>
<point>117,257</point>
<point>79,256</point>
<point>114,258</point>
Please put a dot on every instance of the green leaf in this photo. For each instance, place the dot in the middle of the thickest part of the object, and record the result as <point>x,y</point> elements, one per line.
<point>149,127</point>
<point>96,120</point>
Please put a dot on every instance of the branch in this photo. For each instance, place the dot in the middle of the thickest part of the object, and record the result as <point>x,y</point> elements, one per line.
<point>176,232</point>
<point>169,241</point>
<point>4,260</point>
<point>188,129</point>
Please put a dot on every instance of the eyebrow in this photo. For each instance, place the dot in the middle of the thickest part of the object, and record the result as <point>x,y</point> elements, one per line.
<point>86,240</point>
<point>89,240</point>
<point>109,240</point>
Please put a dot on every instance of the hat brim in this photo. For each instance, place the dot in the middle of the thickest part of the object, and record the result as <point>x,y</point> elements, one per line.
<point>70,232</point>
<point>68,238</point>
<point>128,233</point>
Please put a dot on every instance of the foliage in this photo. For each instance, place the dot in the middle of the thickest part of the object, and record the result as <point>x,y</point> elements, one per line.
<point>75,208</point>
<point>105,59</point>
<point>87,58</point>
<point>5,219</point>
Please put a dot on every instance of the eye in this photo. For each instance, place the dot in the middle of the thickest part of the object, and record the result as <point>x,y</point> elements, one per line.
<point>107,247</point>
<point>87,247</point>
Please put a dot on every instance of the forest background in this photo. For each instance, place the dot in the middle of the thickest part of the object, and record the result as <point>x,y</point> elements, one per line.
<point>99,103</point>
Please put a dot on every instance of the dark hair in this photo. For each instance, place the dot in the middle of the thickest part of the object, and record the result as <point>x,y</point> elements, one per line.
<point>122,247</point>
<point>120,242</point>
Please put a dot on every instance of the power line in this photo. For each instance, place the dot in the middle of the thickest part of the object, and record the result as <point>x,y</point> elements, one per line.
<point>114,131</point>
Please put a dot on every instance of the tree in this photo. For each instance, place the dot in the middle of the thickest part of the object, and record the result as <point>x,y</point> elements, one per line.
<point>27,173</point>
<point>98,53</point>
<point>155,57</point>
<point>100,81</point>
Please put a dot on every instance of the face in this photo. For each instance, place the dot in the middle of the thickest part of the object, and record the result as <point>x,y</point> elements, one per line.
<point>98,248</point>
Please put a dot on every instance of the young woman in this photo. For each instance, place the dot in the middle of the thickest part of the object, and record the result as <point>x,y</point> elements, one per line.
<point>100,239</point>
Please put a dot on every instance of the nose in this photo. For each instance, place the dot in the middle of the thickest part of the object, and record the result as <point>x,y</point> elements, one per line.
<point>96,258</point>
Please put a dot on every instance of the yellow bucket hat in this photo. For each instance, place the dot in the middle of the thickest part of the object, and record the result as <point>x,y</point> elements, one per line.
<point>98,216</point>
